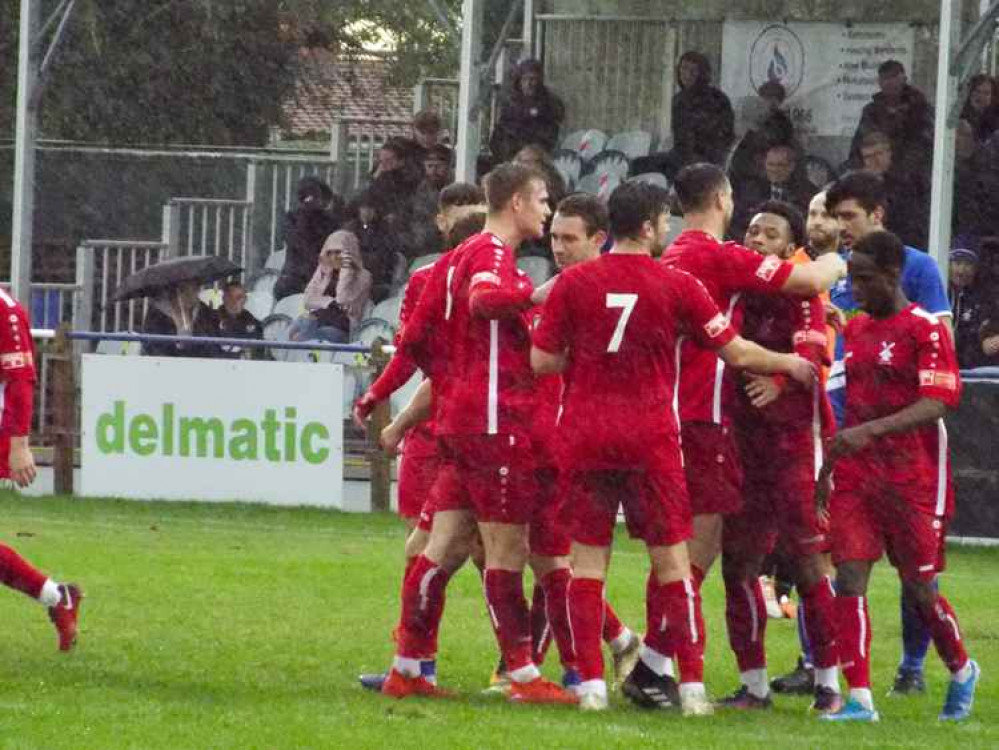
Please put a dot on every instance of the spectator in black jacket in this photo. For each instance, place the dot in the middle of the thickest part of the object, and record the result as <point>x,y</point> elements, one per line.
<point>908,192</point>
<point>378,245</point>
<point>179,312</point>
<point>234,321</point>
<point>530,113</point>
<point>780,180</point>
<point>703,121</point>
<point>305,229</point>
<point>970,303</point>
<point>771,126</point>
<point>902,113</point>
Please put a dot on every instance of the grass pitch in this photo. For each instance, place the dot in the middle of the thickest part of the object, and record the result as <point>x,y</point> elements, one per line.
<point>237,626</point>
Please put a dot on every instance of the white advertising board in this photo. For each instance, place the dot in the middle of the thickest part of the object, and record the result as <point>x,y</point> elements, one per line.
<point>203,429</point>
<point>830,71</point>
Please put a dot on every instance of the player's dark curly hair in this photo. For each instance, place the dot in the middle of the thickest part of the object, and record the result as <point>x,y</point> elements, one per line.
<point>460,194</point>
<point>867,188</point>
<point>884,248</point>
<point>634,203</point>
<point>789,213</point>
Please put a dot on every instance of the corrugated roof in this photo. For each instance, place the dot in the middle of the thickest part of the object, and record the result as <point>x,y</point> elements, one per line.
<point>332,86</point>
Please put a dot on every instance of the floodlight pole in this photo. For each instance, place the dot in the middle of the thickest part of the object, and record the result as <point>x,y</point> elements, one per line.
<point>468,89</point>
<point>942,195</point>
<point>24,154</point>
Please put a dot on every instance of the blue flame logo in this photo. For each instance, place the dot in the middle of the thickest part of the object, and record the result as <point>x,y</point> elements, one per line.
<point>777,69</point>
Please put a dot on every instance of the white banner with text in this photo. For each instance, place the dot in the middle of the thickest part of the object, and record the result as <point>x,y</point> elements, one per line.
<point>829,70</point>
<point>212,429</point>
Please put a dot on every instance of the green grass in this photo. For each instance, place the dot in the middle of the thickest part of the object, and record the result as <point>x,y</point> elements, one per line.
<point>236,626</point>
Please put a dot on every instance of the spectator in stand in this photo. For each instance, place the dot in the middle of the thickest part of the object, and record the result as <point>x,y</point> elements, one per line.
<point>781,180</point>
<point>529,114</point>
<point>337,294</point>
<point>902,113</point>
<point>970,303</point>
<point>305,228</point>
<point>395,180</point>
<point>908,192</point>
<point>422,236</point>
<point>378,245</point>
<point>972,191</point>
<point>539,160</point>
<point>428,132</point>
<point>771,127</point>
<point>438,168</point>
<point>179,312</point>
<point>703,121</point>
<point>981,110</point>
<point>234,321</point>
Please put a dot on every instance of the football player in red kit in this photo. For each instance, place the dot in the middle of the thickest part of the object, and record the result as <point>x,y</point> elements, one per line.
<point>707,388</point>
<point>891,467</point>
<point>779,431</point>
<point>487,478</point>
<point>17,383</point>
<point>613,326</point>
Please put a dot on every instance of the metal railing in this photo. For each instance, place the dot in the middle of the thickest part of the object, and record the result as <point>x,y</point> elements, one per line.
<point>441,96</point>
<point>354,145</point>
<point>101,266</point>
<point>209,226</point>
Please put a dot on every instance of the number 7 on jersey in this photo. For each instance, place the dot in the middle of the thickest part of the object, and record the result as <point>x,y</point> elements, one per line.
<point>626,302</point>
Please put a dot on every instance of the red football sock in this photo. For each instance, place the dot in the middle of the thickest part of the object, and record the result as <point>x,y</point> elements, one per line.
<point>746,618</point>
<point>556,586</point>
<point>942,622</point>
<point>586,614</point>
<point>511,620</point>
<point>680,603</point>
<point>422,608</point>
<point>854,639</point>
<point>613,627</point>
<point>541,632</point>
<point>655,619</point>
<point>17,573</point>
<point>820,625</point>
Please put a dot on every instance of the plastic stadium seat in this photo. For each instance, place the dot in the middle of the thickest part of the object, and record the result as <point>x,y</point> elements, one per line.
<point>539,269</point>
<point>275,261</point>
<point>632,143</point>
<point>601,185</point>
<point>260,304</point>
<point>653,178</point>
<point>373,328</point>
<point>275,328</point>
<point>611,162</point>
<point>388,309</point>
<point>423,260</point>
<point>211,297</point>
<point>264,281</point>
<point>292,306</point>
<point>570,165</point>
<point>586,143</point>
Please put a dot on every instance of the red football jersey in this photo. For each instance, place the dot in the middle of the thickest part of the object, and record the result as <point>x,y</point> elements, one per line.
<point>891,364</point>
<point>490,384</point>
<point>622,318</point>
<point>548,395</point>
<point>726,270</point>
<point>17,368</point>
<point>783,323</point>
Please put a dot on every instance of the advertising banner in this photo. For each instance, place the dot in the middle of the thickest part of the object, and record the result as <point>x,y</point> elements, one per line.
<point>203,429</point>
<point>830,71</point>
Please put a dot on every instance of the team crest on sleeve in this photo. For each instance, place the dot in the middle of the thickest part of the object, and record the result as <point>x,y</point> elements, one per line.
<point>768,268</point>
<point>716,326</point>
<point>934,379</point>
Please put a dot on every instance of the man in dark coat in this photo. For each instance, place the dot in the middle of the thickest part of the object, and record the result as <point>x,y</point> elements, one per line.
<point>305,230</point>
<point>530,114</point>
<point>234,321</point>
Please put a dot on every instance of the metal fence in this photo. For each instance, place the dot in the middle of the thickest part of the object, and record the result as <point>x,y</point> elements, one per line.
<point>210,226</point>
<point>101,266</point>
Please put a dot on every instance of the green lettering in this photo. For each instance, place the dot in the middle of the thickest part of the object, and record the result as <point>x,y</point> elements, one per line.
<point>271,427</point>
<point>167,429</point>
<point>114,424</point>
<point>142,434</point>
<point>310,453</point>
<point>202,429</point>
<point>290,436</point>
<point>243,443</point>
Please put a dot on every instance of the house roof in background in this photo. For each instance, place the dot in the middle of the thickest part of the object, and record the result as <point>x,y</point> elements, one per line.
<point>331,85</point>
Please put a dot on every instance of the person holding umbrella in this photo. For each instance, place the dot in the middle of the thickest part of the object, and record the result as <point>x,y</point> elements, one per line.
<point>174,308</point>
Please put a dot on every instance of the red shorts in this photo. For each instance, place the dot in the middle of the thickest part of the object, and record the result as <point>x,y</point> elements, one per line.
<point>875,518</point>
<point>656,507</point>
<point>490,475</point>
<point>779,468</point>
<point>549,533</point>
<point>416,478</point>
<point>711,463</point>
<point>4,457</point>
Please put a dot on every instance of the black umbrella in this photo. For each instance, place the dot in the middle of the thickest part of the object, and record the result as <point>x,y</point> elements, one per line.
<point>170,273</point>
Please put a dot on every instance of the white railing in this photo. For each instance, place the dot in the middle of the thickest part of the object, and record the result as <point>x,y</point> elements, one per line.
<point>101,266</point>
<point>209,226</point>
<point>441,96</point>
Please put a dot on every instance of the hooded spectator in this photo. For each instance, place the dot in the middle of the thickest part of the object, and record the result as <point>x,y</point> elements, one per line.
<point>305,229</point>
<point>378,245</point>
<point>970,303</point>
<point>981,110</point>
<point>530,114</point>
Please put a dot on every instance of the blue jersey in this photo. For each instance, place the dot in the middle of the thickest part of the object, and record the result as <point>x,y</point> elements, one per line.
<point>922,284</point>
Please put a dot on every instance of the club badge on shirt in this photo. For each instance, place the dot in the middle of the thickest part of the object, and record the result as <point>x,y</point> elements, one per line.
<point>887,355</point>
